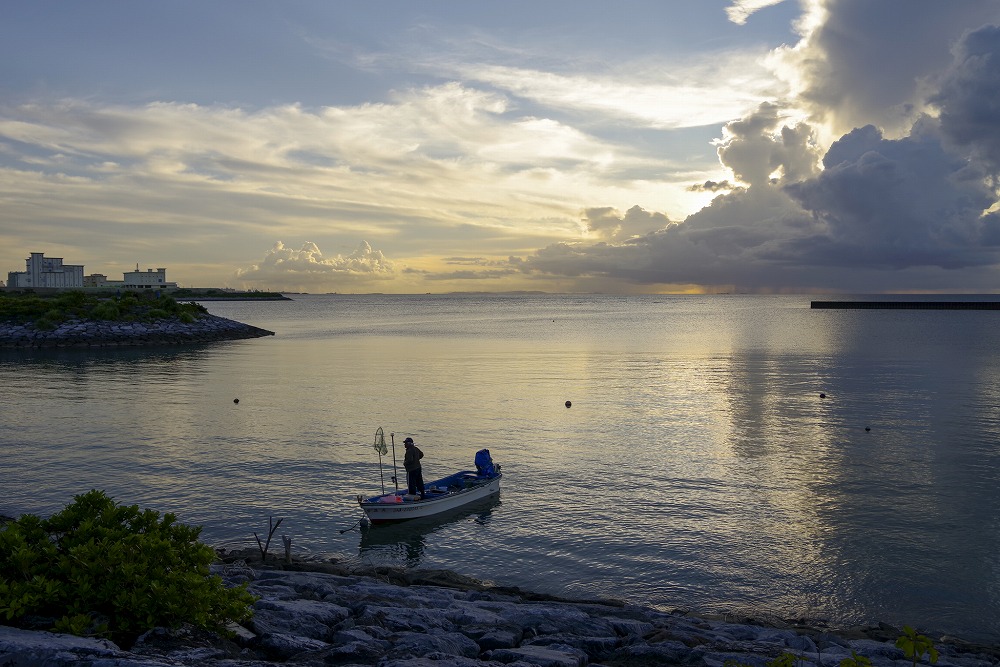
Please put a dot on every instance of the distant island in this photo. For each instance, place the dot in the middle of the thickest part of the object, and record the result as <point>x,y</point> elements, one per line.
<point>77,318</point>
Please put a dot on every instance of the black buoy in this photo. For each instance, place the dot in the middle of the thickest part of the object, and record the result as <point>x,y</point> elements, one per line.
<point>868,428</point>
<point>822,395</point>
<point>236,400</point>
<point>569,404</point>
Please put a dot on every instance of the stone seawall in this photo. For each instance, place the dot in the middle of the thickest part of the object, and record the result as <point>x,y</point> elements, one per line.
<point>314,618</point>
<point>103,333</point>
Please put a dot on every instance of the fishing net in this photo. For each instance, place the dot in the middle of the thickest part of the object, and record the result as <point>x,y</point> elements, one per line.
<point>380,445</point>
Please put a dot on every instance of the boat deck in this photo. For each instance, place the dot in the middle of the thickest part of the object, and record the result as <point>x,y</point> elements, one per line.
<point>441,488</point>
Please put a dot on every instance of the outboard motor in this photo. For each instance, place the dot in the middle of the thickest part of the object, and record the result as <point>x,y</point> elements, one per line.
<point>484,463</point>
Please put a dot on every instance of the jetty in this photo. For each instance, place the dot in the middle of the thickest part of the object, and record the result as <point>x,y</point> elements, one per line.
<point>96,333</point>
<point>907,305</point>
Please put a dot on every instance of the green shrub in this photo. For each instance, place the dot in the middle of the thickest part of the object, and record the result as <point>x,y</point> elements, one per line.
<point>99,568</point>
<point>106,310</point>
<point>46,312</point>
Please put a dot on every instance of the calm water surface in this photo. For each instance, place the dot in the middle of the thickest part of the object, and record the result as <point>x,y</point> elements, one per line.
<point>697,468</point>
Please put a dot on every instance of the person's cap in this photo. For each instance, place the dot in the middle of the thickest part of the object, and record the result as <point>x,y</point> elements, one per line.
<point>408,441</point>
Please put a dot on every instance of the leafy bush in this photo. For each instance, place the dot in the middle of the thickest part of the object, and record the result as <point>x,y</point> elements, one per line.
<point>105,310</point>
<point>99,568</point>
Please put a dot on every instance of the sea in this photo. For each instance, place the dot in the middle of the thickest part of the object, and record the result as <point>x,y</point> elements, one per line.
<point>719,454</point>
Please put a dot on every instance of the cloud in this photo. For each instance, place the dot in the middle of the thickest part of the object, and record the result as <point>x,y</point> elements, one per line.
<point>451,163</point>
<point>705,91</point>
<point>969,97</point>
<point>741,10</point>
<point>869,163</point>
<point>289,269</point>
<point>711,186</point>
<point>879,211</point>
<point>731,242</point>
<point>608,223</point>
<point>896,203</point>
<point>861,62</point>
<point>901,199</point>
<point>760,147</point>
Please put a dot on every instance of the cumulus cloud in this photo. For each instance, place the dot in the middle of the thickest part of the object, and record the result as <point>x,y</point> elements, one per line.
<point>287,268</point>
<point>896,203</point>
<point>761,147</point>
<point>861,62</point>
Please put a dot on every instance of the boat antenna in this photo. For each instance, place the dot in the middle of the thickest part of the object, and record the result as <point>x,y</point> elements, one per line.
<point>381,449</point>
<point>395,479</point>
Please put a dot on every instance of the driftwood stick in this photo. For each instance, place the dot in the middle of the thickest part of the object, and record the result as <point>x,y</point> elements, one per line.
<point>270,533</point>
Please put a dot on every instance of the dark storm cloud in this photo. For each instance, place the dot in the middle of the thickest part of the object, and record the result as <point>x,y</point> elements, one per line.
<point>896,203</point>
<point>969,98</point>
<point>723,244</point>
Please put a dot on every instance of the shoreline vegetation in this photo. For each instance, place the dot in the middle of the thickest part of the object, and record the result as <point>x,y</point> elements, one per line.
<point>85,319</point>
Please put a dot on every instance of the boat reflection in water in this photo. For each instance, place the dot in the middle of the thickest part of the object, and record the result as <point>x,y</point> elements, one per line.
<point>403,544</point>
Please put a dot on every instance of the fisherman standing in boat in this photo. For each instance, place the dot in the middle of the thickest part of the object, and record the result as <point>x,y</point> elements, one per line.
<point>411,463</point>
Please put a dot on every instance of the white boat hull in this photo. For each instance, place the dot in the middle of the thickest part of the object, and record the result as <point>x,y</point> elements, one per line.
<point>379,511</point>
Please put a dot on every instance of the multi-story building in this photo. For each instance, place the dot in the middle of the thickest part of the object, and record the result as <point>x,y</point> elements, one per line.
<point>44,271</point>
<point>51,272</point>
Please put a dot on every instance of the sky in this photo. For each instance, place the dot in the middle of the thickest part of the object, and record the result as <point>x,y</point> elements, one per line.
<point>411,146</point>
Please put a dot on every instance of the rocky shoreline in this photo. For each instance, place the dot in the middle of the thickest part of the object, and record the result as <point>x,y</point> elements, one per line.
<point>346,614</point>
<point>104,333</point>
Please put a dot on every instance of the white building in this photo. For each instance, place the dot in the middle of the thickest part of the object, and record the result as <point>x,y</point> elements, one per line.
<point>44,271</point>
<point>147,279</point>
<point>101,280</point>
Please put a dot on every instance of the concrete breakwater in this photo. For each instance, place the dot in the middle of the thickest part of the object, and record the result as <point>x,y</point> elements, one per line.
<point>329,614</point>
<point>905,305</point>
<point>105,333</point>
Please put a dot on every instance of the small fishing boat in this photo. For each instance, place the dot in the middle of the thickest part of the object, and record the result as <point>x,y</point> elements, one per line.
<point>448,493</point>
